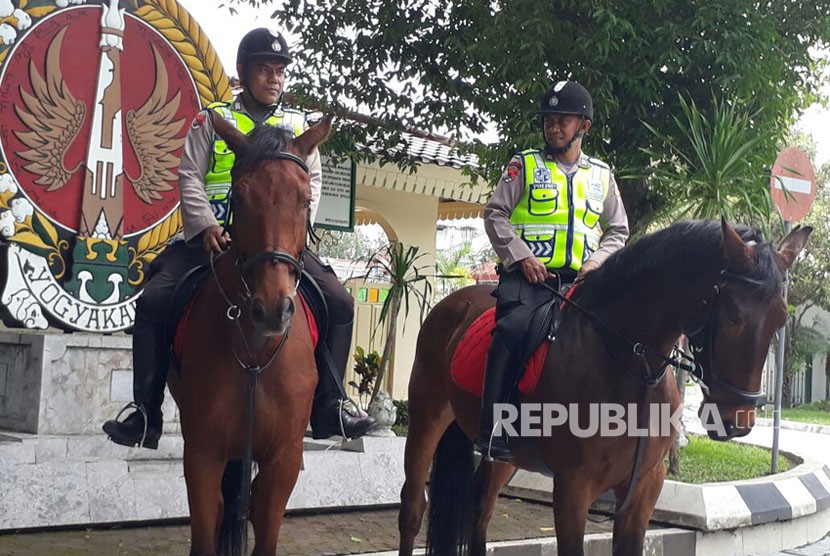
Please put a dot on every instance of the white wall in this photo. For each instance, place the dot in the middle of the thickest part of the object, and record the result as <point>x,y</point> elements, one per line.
<point>819,319</point>
<point>409,218</point>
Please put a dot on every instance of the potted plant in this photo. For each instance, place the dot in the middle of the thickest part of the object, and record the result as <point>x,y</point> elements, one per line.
<point>366,367</point>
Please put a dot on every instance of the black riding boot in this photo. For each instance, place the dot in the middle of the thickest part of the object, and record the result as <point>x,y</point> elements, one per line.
<point>332,413</point>
<point>150,361</point>
<point>497,384</point>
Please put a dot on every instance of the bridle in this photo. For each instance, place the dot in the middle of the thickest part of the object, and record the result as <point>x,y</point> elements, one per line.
<point>274,256</point>
<point>244,264</point>
<point>702,340</point>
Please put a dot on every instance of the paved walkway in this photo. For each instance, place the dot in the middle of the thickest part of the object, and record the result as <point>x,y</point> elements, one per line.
<point>812,446</point>
<point>367,531</point>
<point>301,535</point>
<point>821,548</point>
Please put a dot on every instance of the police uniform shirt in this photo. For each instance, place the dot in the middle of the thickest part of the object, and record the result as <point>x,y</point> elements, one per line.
<point>197,214</point>
<point>510,249</point>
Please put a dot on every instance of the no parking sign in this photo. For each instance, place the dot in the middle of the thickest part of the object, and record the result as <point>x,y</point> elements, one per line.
<point>793,184</point>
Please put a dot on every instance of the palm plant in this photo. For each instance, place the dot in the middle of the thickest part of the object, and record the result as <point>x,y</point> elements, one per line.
<point>407,281</point>
<point>717,167</point>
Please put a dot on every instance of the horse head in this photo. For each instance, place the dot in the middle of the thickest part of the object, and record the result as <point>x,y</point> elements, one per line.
<point>740,316</point>
<point>270,203</point>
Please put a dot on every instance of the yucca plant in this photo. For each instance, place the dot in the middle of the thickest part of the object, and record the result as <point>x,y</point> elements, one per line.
<point>717,167</point>
<point>407,279</point>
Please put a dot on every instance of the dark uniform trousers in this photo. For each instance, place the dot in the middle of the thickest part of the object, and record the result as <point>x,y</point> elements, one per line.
<point>517,300</point>
<point>517,304</point>
<point>151,312</point>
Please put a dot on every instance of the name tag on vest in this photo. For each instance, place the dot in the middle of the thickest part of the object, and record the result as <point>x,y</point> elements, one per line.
<point>595,191</point>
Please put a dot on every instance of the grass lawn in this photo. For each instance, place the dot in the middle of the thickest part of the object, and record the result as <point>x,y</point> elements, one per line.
<point>707,461</point>
<point>817,413</point>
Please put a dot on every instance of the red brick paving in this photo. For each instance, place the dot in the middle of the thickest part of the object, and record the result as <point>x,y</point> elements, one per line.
<point>302,534</point>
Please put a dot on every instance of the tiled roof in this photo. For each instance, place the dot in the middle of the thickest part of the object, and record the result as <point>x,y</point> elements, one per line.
<point>485,273</point>
<point>430,152</point>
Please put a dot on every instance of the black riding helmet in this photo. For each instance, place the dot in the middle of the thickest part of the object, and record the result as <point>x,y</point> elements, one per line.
<point>261,44</point>
<point>567,97</point>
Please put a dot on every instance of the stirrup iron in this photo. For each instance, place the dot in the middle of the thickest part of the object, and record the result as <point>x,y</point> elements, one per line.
<point>140,409</point>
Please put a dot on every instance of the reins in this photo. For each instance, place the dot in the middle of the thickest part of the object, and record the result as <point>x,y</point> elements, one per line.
<point>681,360</point>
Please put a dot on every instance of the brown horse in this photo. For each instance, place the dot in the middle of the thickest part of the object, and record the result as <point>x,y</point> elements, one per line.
<point>703,279</point>
<point>237,335</point>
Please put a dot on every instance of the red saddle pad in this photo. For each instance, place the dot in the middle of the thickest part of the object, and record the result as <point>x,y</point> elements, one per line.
<point>467,367</point>
<point>178,340</point>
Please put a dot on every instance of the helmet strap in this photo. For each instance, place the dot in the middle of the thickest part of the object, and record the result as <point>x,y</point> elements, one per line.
<point>559,150</point>
<point>256,107</point>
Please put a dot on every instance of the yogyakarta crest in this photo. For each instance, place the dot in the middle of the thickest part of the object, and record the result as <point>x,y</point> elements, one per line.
<point>94,104</point>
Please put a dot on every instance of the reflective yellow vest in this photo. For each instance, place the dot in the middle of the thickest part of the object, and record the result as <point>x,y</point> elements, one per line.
<point>218,177</point>
<point>558,215</point>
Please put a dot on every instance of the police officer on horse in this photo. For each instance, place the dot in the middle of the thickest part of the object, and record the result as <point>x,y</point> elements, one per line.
<point>555,215</point>
<point>204,187</point>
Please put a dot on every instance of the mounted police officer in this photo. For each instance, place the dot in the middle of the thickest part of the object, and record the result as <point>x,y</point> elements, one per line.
<point>554,216</point>
<point>204,186</point>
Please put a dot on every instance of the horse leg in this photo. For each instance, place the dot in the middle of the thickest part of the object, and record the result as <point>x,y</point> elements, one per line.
<point>630,527</point>
<point>269,496</point>
<point>571,501</point>
<point>490,479</point>
<point>425,431</point>
<point>203,476</point>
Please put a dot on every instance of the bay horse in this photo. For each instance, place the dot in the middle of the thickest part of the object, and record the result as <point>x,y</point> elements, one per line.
<point>719,286</point>
<point>237,337</point>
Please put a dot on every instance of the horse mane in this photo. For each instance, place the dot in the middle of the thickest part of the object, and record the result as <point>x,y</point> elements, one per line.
<point>265,141</point>
<point>683,249</point>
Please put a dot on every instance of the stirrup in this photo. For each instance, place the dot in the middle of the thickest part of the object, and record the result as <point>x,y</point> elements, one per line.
<point>140,409</point>
<point>488,456</point>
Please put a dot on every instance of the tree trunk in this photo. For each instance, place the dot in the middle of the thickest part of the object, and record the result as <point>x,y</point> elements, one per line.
<point>827,377</point>
<point>680,440</point>
<point>388,346</point>
<point>640,203</point>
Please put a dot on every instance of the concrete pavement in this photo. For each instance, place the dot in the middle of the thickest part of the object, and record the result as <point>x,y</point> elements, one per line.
<point>821,548</point>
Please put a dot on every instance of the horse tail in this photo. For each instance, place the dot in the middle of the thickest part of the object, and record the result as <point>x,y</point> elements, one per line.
<point>233,532</point>
<point>451,501</point>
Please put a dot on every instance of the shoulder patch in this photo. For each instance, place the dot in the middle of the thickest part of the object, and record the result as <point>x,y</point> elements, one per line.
<point>199,120</point>
<point>513,169</point>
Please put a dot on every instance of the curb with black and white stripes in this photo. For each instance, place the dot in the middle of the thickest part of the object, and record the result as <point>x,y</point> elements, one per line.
<point>802,491</point>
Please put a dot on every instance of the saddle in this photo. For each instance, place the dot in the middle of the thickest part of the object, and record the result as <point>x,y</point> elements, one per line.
<point>468,361</point>
<point>310,295</point>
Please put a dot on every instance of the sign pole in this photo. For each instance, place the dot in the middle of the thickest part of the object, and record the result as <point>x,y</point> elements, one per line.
<point>792,190</point>
<point>779,378</point>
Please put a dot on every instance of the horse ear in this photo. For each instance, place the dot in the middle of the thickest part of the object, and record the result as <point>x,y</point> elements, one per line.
<point>739,256</point>
<point>314,135</point>
<point>236,140</point>
<point>791,246</point>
